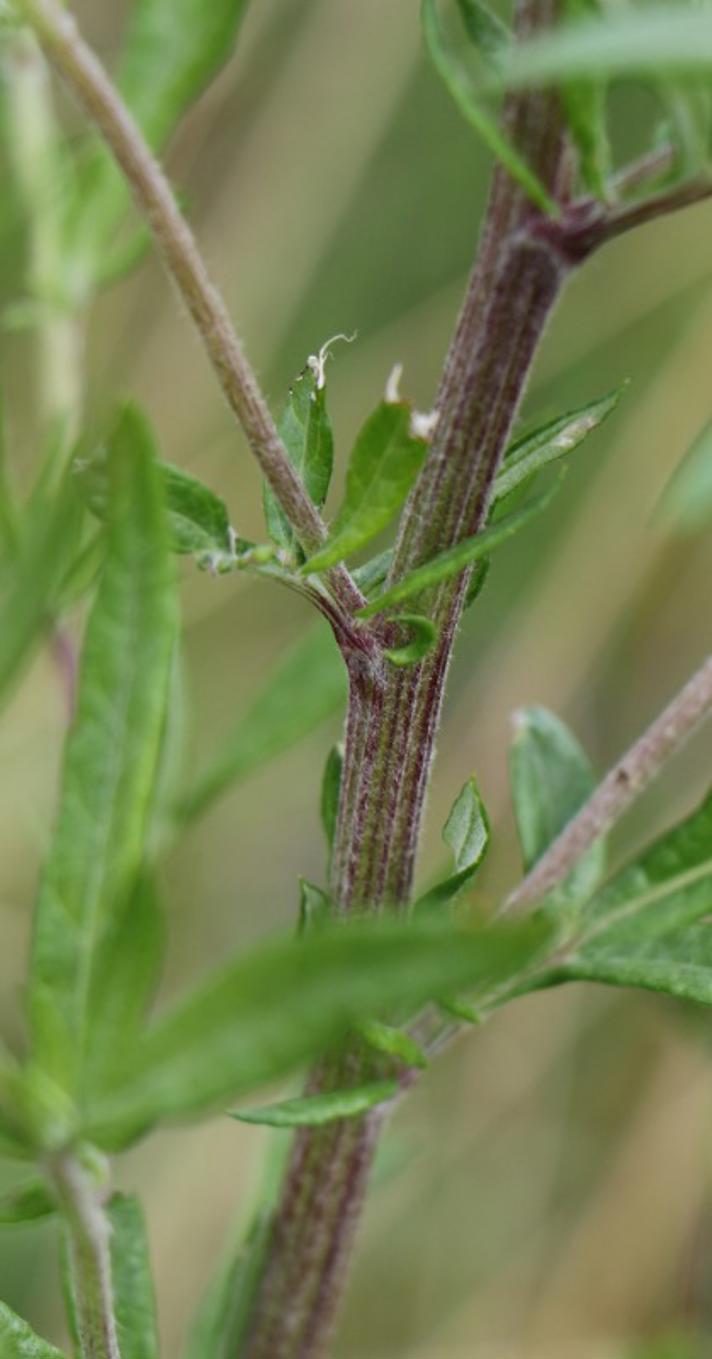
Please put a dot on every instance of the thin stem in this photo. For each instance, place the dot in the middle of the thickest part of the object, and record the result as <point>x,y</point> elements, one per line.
<point>620,788</point>
<point>88,1242</point>
<point>83,73</point>
<point>34,148</point>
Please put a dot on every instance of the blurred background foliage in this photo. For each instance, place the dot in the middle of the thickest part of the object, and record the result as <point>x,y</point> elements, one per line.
<point>547,1189</point>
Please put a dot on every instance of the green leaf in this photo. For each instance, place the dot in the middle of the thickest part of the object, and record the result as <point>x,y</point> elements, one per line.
<point>314,1110</point>
<point>527,455</point>
<point>551,779</point>
<point>647,41</point>
<point>305,429</point>
<point>423,636</point>
<point>48,537</point>
<point>230,1036</point>
<point>315,906</point>
<point>393,1043</point>
<point>173,50</point>
<point>466,832</point>
<point>330,793</point>
<point>134,1301</point>
<point>125,973</point>
<point>668,886</point>
<point>198,520</point>
<point>373,572</point>
<point>460,86</point>
<point>687,499</point>
<point>111,760</point>
<point>585,104</point>
<point>384,462</point>
<point>27,1202</point>
<point>306,687</point>
<point>18,1341</point>
<point>456,559</point>
<point>225,1312</point>
<point>484,28</point>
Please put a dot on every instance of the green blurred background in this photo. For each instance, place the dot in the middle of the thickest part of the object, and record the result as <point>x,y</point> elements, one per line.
<point>547,1189</point>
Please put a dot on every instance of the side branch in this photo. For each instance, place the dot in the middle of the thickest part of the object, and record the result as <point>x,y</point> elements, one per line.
<point>83,73</point>
<point>89,1258</point>
<point>620,788</point>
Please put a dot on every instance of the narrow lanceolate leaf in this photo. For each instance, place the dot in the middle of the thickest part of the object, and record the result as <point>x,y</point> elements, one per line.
<point>393,1043</point>
<point>330,793</point>
<point>173,49</point>
<point>484,28</point>
<point>224,1314</point>
<point>551,779</point>
<point>651,40</point>
<point>306,433</point>
<point>314,1110</point>
<point>471,104</point>
<point>305,688</point>
<point>198,520</point>
<point>125,974</point>
<point>535,450</point>
<point>687,500</point>
<point>134,1302</point>
<point>456,559</point>
<point>381,471</point>
<point>585,104</point>
<point>466,832</point>
<point>229,1036</point>
<point>649,927</point>
<point>28,1202</point>
<point>422,636</point>
<point>111,760</point>
<point>30,599</point>
<point>18,1340</point>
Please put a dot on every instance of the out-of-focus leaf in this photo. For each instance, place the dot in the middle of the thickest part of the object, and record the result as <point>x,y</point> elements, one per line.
<point>651,40</point>
<point>111,760</point>
<point>18,1340</point>
<point>134,1301</point>
<point>315,906</point>
<point>224,1314</point>
<point>551,779</point>
<point>305,688</point>
<point>307,435</point>
<point>466,832</point>
<point>373,572</point>
<point>484,28</point>
<point>422,638</point>
<point>28,1202</point>
<point>273,1009</point>
<point>198,520</point>
<point>173,50</point>
<point>383,464</point>
<point>330,792</point>
<point>538,448</point>
<point>9,521</point>
<point>314,1110</point>
<point>393,1042</point>
<point>687,500</point>
<point>471,105</point>
<point>48,537</point>
<point>585,104</point>
<point>456,559</point>
<point>125,972</point>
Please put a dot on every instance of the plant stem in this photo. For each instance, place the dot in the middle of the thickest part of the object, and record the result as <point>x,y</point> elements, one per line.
<point>83,73</point>
<point>393,715</point>
<point>620,788</point>
<point>35,152</point>
<point>88,1238</point>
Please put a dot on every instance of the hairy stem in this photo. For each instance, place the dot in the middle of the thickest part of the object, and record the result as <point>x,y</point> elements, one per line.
<point>620,788</point>
<point>393,714</point>
<point>85,76</point>
<point>89,1259</point>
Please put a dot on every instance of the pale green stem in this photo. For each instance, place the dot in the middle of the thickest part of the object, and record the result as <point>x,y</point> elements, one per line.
<point>89,1258</point>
